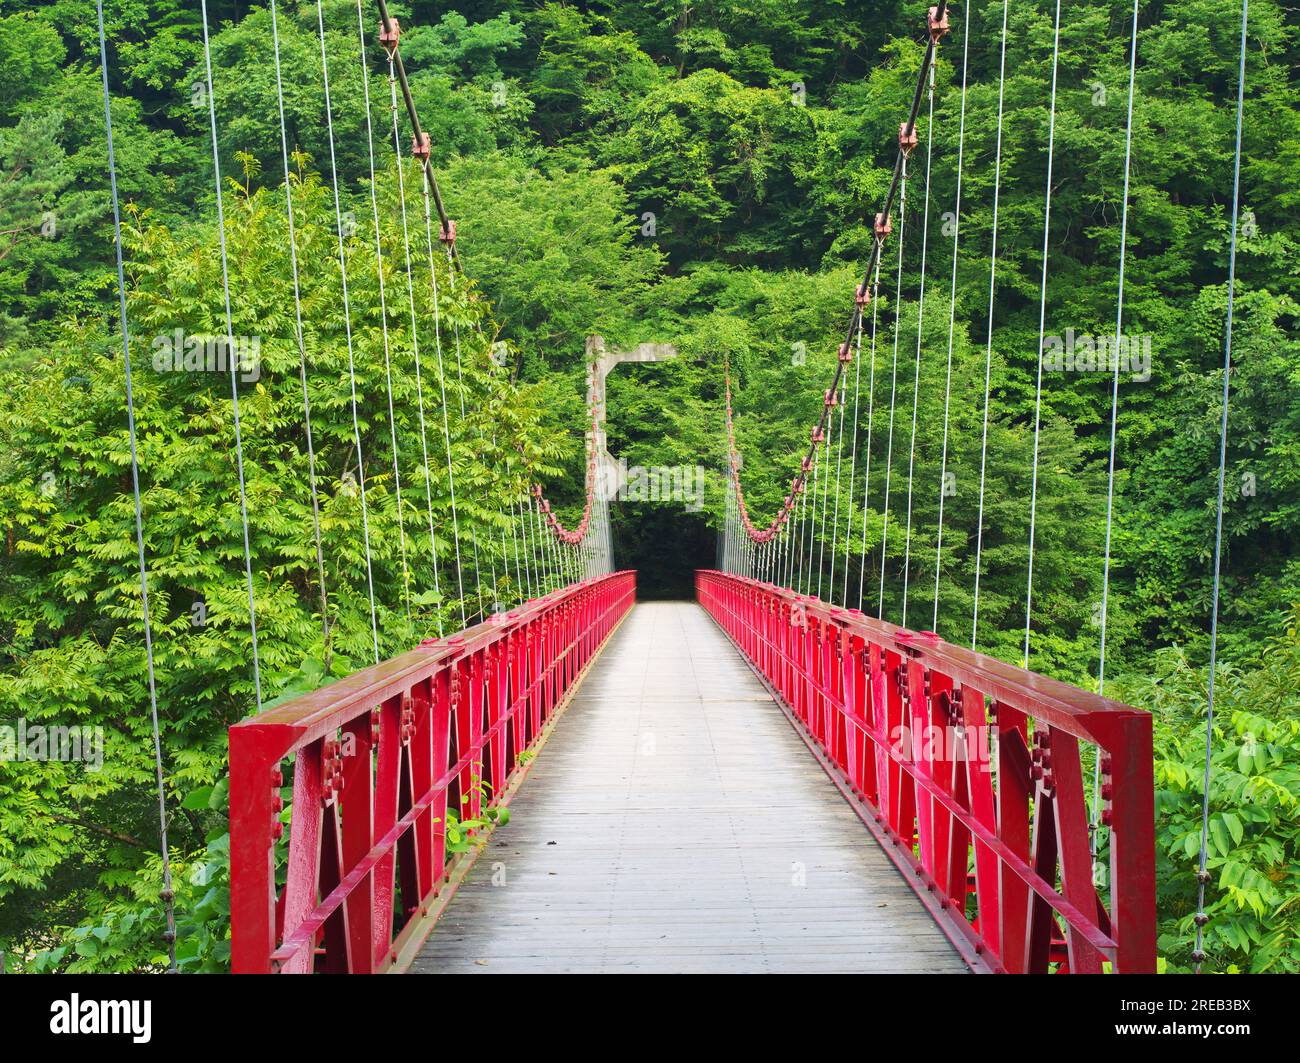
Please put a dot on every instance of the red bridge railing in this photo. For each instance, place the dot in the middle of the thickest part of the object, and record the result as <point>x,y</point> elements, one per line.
<point>377,759</point>
<point>969,770</point>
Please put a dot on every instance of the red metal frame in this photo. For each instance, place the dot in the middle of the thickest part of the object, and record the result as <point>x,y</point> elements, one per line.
<point>972,768</point>
<point>377,758</point>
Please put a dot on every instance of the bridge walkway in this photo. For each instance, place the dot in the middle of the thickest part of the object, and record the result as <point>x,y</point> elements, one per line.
<point>675,822</point>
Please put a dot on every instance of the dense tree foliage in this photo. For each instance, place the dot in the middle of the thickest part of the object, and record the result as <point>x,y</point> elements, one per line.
<point>703,174</point>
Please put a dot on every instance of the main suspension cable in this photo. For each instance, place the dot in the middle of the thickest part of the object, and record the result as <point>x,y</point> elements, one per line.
<point>937,27</point>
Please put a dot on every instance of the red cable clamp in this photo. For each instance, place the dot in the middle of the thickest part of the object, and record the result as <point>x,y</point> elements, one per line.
<point>388,36</point>
<point>420,147</point>
<point>831,398</point>
<point>817,435</point>
<point>907,140</point>
<point>884,226</point>
<point>861,296</point>
<point>938,26</point>
<point>447,232</point>
<point>846,353</point>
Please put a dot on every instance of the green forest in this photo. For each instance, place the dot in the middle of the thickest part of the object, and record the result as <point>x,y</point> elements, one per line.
<point>704,174</point>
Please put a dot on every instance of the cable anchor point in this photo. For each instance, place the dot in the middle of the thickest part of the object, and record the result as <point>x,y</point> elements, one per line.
<point>937,25</point>
<point>389,35</point>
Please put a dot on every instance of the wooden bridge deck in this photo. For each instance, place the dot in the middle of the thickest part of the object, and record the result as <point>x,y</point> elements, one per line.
<point>675,822</point>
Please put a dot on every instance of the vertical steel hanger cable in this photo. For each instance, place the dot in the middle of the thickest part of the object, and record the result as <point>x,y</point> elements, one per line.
<point>893,387</point>
<point>347,326</point>
<point>1203,876</point>
<point>988,346</point>
<point>1114,414</point>
<point>383,312</point>
<point>916,372</point>
<point>826,490</point>
<point>812,519</point>
<point>460,390</point>
<point>442,389</point>
<point>230,352</point>
<point>952,316</point>
<point>298,335</point>
<point>415,345</point>
<point>1042,329</point>
<point>853,462</point>
<point>835,519</point>
<point>167,894</point>
<point>871,412</point>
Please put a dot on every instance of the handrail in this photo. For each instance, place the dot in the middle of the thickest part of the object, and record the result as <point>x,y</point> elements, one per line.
<point>971,769</point>
<point>378,758</point>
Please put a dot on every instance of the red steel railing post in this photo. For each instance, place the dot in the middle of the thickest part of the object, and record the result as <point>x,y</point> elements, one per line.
<point>388,766</point>
<point>252,858</point>
<point>1132,846</point>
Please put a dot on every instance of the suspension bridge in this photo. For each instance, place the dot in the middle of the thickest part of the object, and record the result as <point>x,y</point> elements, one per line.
<point>767,778</point>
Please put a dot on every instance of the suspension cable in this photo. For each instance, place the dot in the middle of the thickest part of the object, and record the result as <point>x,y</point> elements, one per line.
<point>1203,875</point>
<point>442,389</point>
<point>871,412</point>
<point>826,490</point>
<point>347,325</point>
<point>383,312</point>
<point>298,335</point>
<point>430,181</point>
<point>893,388</point>
<point>835,519</point>
<point>230,354</point>
<point>988,347</point>
<point>952,315</point>
<point>1042,327</point>
<point>1114,416</point>
<point>916,374</point>
<point>415,347</point>
<point>460,389</point>
<point>853,461</point>
<point>167,894</point>
<point>937,28</point>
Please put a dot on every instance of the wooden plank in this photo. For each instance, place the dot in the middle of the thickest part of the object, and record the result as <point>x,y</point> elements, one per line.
<point>675,823</point>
